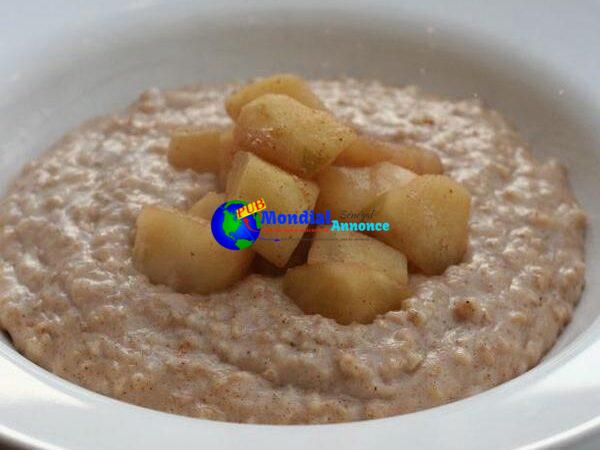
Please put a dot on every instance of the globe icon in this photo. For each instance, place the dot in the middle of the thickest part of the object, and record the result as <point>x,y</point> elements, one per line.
<point>231,232</point>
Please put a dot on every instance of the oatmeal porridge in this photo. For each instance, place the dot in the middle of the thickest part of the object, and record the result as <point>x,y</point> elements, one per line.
<point>74,301</point>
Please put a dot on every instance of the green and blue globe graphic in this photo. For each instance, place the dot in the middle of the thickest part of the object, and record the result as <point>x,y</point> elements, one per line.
<point>231,232</point>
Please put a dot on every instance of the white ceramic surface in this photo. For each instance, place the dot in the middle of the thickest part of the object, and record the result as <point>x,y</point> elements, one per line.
<point>538,62</point>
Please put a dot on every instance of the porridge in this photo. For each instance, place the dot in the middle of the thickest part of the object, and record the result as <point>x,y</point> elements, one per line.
<point>75,300</point>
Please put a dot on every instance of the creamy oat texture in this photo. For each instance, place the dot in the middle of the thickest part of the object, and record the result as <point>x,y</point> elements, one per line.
<point>73,302</point>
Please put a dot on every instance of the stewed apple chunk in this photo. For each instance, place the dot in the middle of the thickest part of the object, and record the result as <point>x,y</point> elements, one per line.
<point>179,250</point>
<point>366,151</point>
<point>206,206</point>
<point>226,151</point>
<point>345,292</point>
<point>252,178</point>
<point>295,137</point>
<point>358,248</point>
<point>195,148</point>
<point>347,190</point>
<point>284,83</point>
<point>428,221</point>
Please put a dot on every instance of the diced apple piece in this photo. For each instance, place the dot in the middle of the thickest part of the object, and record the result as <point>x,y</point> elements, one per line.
<point>428,221</point>
<point>366,151</point>
<point>295,137</point>
<point>195,148</point>
<point>206,206</point>
<point>346,191</point>
<point>344,292</point>
<point>251,178</point>
<point>226,150</point>
<point>386,176</point>
<point>179,250</point>
<point>285,84</point>
<point>358,248</point>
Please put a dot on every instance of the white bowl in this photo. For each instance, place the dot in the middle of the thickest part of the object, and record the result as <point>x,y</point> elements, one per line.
<point>536,62</point>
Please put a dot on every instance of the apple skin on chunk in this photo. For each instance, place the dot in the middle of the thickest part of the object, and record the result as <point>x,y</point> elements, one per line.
<point>284,83</point>
<point>179,250</point>
<point>358,248</point>
<point>296,138</point>
<point>345,292</point>
<point>428,221</point>
<point>352,189</point>
<point>206,206</point>
<point>195,148</point>
<point>366,151</point>
<point>251,178</point>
